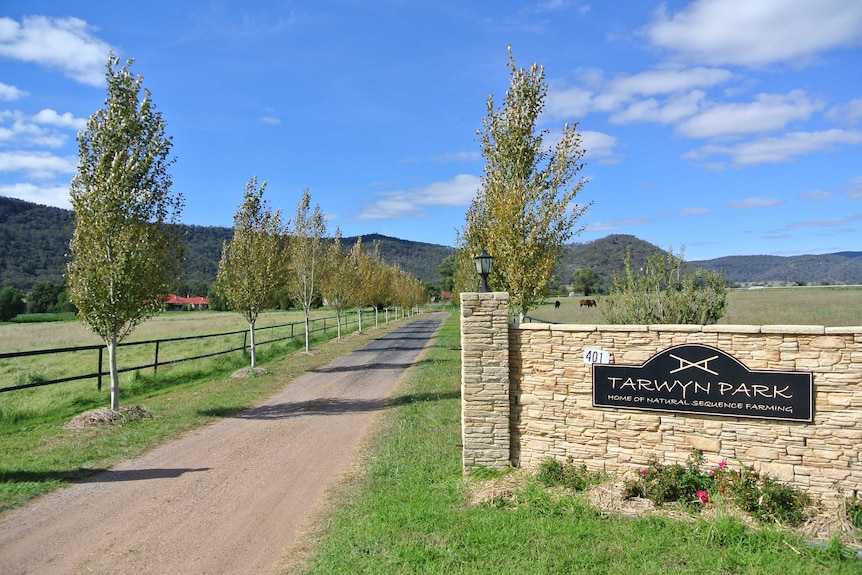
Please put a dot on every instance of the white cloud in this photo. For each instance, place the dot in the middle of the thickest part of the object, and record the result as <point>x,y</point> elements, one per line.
<point>64,120</point>
<point>621,95</point>
<point>459,157</point>
<point>57,196</point>
<point>599,146</point>
<point>849,113</point>
<point>10,93</point>
<point>816,195</point>
<point>64,43</point>
<point>569,103</point>
<point>39,130</point>
<point>854,188</point>
<point>271,120</point>
<point>668,111</point>
<point>827,223</point>
<point>769,112</point>
<point>616,225</point>
<point>657,82</point>
<point>458,191</point>
<point>693,211</point>
<point>721,32</point>
<point>37,165</point>
<point>754,202</point>
<point>779,149</point>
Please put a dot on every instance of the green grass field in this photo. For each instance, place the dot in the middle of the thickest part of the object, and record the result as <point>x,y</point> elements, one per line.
<point>827,306</point>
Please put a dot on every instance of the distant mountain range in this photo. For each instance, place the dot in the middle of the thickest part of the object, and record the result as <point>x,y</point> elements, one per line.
<point>34,240</point>
<point>605,256</point>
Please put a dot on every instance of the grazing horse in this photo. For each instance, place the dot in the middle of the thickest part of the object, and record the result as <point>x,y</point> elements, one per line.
<point>557,304</point>
<point>588,303</point>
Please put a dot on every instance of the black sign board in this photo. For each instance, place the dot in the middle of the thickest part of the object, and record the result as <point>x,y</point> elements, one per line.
<point>695,378</point>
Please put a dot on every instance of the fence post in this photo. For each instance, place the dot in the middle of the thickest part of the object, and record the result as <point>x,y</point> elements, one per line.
<point>156,363</point>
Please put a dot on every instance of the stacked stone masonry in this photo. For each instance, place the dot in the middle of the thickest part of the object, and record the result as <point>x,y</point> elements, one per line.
<point>534,376</point>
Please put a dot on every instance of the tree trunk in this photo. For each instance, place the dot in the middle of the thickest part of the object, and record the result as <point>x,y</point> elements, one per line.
<point>359,318</point>
<point>112,369</point>
<point>307,346</point>
<point>338,321</point>
<point>251,344</point>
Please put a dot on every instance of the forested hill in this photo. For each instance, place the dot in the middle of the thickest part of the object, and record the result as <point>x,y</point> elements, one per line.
<point>34,240</point>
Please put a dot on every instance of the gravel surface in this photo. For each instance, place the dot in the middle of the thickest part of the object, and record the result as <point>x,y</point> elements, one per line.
<point>226,498</point>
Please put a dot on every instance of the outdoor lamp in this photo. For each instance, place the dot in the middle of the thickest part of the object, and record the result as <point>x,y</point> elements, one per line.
<point>483,266</point>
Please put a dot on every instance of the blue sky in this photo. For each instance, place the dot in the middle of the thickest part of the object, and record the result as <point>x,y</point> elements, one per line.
<point>726,127</point>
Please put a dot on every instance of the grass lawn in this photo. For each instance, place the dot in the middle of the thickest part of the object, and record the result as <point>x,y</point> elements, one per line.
<point>407,512</point>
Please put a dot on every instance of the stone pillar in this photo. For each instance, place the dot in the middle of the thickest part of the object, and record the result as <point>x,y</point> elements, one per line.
<point>485,380</point>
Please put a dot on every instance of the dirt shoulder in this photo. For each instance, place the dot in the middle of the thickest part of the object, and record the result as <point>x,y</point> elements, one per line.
<point>227,498</point>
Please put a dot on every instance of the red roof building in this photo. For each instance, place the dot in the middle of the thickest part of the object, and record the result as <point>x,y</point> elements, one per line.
<point>176,302</point>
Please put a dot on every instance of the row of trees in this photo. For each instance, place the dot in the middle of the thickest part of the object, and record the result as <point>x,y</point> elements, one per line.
<point>268,258</point>
<point>125,252</point>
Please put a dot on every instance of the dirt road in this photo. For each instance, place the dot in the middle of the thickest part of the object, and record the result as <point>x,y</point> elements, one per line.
<point>227,498</point>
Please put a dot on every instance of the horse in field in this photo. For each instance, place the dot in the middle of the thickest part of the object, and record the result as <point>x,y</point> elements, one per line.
<point>588,303</point>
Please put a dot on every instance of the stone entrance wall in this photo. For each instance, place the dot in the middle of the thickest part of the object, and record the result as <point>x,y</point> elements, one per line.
<point>533,377</point>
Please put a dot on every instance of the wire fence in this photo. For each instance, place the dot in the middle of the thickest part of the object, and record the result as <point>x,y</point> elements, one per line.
<point>171,346</point>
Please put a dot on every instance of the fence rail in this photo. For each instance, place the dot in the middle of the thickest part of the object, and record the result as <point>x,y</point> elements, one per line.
<point>315,325</point>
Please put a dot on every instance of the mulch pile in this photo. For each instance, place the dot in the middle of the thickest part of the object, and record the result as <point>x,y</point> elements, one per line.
<point>106,416</point>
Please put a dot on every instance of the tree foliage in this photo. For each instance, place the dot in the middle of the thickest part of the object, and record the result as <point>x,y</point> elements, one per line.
<point>306,258</point>
<point>585,281</point>
<point>523,212</point>
<point>124,256</point>
<point>252,264</point>
<point>661,293</point>
<point>447,269</point>
<point>340,283</point>
<point>11,302</point>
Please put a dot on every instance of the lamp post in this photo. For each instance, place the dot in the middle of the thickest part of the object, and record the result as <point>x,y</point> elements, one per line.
<point>483,266</point>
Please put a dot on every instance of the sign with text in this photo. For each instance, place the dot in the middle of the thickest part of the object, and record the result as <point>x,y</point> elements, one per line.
<point>592,356</point>
<point>696,378</point>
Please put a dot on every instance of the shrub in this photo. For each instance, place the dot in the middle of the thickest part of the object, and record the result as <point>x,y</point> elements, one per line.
<point>663,293</point>
<point>762,496</point>
<point>571,476</point>
<point>685,484</point>
<point>853,510</point>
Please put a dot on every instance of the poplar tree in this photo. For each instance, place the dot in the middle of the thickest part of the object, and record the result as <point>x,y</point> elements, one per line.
<point>523,212</point>
<point>306,258</point>
<point>340,282</point>
<point>252,264</point>
<point>124,255</point>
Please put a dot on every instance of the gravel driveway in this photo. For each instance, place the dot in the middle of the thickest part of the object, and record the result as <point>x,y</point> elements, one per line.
<point>226,498</point>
